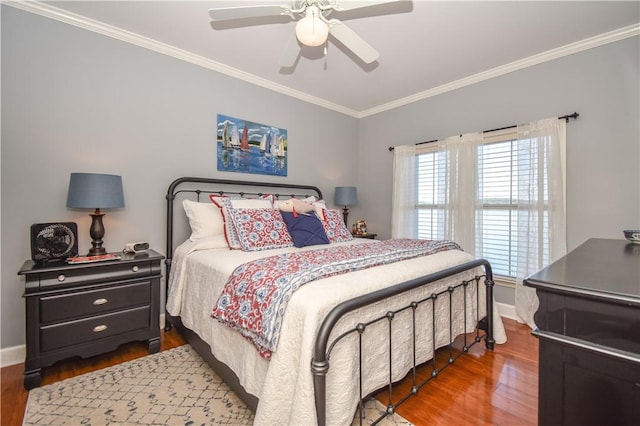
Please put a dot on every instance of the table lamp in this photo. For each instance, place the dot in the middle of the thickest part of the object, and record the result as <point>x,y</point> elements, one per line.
<point>95,191</point>
<point>345,196</point>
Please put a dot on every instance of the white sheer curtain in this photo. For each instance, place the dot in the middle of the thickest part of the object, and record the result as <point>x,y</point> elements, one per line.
<point>461,205</point>
<point>404,219</point>
<point>541,232</point>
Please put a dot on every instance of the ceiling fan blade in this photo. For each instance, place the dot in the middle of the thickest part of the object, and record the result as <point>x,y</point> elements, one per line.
<point>291,52</point>
<point>343,5</point>
<point>253,11</point>
<point>353,41</point>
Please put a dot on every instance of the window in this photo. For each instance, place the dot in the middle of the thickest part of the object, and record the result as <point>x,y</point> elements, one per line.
<point>498,193</point>
<point>430,196</point>
<point>496,215</point>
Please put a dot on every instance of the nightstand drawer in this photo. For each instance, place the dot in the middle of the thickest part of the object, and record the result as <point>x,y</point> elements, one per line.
<point>90,329</point>
<point>105,272</point>
<point>61,307</point>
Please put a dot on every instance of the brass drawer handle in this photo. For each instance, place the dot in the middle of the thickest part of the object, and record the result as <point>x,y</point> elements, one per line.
<point>100,302</point>
<point>99,328</point>
<point>61,277</point>
<point>135,268</point>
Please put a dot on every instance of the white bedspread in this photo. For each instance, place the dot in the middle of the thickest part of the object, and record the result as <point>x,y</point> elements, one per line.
<point>284,385</point>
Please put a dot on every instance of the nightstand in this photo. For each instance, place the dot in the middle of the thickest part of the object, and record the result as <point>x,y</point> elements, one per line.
<point>89,309</point>
<point>369,236</point>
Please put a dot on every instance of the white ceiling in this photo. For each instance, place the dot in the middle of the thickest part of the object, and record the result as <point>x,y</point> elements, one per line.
<point>426,47</point>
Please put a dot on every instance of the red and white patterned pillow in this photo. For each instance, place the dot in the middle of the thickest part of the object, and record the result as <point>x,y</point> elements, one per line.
<point>334,226</point>
<point>225,203</point>
<point>260,229</point>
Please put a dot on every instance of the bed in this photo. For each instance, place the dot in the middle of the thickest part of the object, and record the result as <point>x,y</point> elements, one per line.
<point>341,336</point>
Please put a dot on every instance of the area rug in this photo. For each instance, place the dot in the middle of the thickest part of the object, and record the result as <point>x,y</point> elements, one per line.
<point>173,387</point>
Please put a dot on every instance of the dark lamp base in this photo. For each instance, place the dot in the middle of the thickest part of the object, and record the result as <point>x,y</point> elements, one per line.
<point>97,251</point>
<point>345,215</point>
<point>97,233</point>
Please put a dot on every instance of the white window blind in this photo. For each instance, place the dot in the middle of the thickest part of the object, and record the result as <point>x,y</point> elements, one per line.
<point>430,176</point>
<point>498,192</point>
<point>497,238</point>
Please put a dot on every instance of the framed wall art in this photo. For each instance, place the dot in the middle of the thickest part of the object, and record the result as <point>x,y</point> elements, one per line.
<point>247,147</point>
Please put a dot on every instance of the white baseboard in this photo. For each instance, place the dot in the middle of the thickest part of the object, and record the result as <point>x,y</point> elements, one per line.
<point>13,355</point>
<point>16,354</point>
<point>507,311</point>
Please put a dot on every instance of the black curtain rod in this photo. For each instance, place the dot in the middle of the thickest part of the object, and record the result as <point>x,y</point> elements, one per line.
<point>564,117</point>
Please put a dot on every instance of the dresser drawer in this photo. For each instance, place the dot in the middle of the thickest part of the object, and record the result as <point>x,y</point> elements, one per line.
<point>105,272</point>
<point>67,306</point>
<point>90,329</point>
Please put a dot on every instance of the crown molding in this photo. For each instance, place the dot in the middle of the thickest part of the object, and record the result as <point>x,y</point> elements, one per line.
<point>57,14</point>
<point>83,22</point>
<point>569,49</point>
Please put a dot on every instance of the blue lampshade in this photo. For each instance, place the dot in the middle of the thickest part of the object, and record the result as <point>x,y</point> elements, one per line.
<point>95,191</point>
<point>346,196</point>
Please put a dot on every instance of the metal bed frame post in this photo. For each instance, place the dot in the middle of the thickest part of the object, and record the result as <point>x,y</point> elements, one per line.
<point>490,341</point>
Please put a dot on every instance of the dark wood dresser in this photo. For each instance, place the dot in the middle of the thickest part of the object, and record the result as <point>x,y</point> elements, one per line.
<point>589,333</point>
<point>88,309</point>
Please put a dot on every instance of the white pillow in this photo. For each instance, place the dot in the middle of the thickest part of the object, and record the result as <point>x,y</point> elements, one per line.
<point>204,218</point>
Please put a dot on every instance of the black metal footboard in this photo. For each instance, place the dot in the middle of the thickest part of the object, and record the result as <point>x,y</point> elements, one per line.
<point>323,347</point>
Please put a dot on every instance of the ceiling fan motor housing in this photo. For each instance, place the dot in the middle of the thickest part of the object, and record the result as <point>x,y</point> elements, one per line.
<point>312,30</point>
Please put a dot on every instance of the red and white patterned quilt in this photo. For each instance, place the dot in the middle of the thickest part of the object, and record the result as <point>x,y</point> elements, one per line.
<point>256,294</point>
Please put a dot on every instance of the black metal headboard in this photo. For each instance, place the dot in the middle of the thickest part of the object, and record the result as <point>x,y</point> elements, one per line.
<point>195,186</point>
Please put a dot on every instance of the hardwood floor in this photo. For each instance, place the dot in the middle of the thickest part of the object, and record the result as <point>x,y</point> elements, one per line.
<point>497,387</point>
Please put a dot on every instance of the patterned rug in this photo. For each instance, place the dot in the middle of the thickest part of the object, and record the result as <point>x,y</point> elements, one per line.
<point>173,387</point>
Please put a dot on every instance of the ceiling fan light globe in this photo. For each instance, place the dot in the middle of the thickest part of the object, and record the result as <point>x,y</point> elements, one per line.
<point>312,31</point>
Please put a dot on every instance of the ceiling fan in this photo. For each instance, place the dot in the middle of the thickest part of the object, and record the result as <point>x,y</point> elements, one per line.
<point>313,26</point>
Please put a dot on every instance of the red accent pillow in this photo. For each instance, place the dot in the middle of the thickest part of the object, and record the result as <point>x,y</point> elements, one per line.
<point>334,226</point>
<point>260,229</point>
<point>225,203</point>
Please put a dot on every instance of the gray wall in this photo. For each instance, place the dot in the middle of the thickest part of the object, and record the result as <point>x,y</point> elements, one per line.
<point>76,101</point>
<point>603,144</point>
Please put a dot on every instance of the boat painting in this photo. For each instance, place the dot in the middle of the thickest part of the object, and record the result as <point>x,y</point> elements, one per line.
<point>247,147</point>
